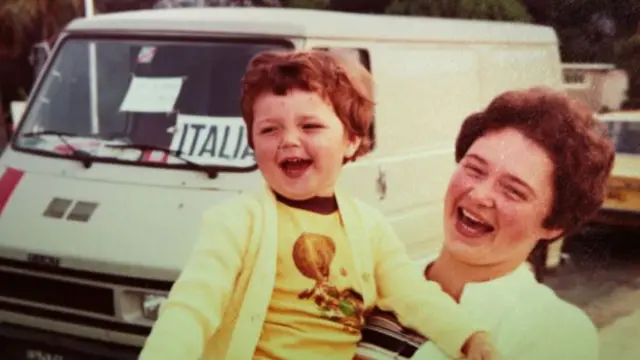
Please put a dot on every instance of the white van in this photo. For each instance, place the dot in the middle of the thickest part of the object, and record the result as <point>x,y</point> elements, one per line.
<point>97,219</point>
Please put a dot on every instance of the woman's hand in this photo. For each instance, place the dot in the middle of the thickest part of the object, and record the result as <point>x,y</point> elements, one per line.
<point>480,347</point>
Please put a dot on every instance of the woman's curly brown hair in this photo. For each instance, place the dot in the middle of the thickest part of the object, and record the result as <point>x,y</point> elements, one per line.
<point>568,131</point>
<point>347,86</point>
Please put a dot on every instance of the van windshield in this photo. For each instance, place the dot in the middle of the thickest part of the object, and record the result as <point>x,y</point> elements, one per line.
<point>121,100</point>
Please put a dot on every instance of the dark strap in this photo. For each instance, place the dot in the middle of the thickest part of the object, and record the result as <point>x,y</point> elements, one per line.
<point>383,331</point>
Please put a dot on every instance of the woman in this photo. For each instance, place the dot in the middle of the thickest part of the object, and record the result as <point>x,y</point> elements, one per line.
<point>532,167</point>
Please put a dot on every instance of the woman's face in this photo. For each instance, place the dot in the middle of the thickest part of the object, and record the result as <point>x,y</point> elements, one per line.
<point>497,200</point>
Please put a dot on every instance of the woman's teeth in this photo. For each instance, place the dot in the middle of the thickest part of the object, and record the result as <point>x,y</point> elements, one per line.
<point>467,214</point>
<point>472,224</point>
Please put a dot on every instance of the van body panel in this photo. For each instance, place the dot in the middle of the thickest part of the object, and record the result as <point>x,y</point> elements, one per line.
<point>132,227</point>
<point>313,24</point>
<point>429,74</point>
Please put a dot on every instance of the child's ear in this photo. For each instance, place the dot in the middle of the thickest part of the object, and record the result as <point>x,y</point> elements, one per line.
<point>352,146</point>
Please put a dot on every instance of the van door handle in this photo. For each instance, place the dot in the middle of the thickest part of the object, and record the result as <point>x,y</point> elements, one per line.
<point>382,183</point>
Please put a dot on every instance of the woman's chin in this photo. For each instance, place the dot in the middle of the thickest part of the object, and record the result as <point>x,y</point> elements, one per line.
<point>472,240</point>
<point>470,248</point>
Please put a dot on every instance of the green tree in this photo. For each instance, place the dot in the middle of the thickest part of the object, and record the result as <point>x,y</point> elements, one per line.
<point>499,10</point>
<point>628,58</point>
<point>359,6</point>
<point>24,23</point>
<point>627,16</point>
<point>586,30</point>
<point>540,10</point>
<point>435,8</point>
<point>306,4</point>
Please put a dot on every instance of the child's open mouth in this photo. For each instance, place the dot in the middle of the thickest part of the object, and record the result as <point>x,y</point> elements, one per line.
<point>295,167</point>
<point>471,225</point>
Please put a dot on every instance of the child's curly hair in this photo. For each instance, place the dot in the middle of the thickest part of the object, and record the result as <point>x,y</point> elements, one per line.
<point>347,86</point>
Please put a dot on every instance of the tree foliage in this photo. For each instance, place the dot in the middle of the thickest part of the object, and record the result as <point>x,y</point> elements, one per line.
<point>628,57</point>
<point>359,6</point>
<point>24,22</point>
<point>499,10</point>
<point>306,4</point>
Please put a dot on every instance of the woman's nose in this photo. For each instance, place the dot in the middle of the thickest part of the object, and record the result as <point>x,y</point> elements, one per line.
<point>482,194</point>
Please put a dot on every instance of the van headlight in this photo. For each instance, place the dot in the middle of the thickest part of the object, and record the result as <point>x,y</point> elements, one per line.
<point>139,306</point>
<point>150,305</point>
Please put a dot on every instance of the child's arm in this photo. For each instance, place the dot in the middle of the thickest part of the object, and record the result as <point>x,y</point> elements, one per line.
<point>198,299</point>
<point>418,304</point>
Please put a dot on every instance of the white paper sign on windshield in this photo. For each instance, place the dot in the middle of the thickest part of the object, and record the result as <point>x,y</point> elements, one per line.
<point>217,141</point>
<point>152,95</point>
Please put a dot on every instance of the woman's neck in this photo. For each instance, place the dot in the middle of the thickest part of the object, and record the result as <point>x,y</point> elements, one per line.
<point>453,275</point>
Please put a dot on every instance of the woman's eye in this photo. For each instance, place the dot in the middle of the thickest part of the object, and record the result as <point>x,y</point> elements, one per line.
<point>473,170</point>
<point>515,193</point>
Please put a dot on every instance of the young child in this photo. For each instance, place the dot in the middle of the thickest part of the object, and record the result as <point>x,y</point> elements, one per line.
<point>291,271</point>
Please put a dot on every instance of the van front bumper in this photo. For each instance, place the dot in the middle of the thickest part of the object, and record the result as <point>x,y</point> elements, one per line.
<point>23,343</point>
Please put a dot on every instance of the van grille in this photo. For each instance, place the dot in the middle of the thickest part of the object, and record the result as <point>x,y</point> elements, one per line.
<point>57,292</point>
<point>52,284</point>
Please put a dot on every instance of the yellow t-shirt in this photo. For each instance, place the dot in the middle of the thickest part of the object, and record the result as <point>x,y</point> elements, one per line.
<point>314,312</point>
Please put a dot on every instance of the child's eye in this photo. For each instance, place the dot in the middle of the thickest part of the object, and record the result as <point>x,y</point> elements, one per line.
<point>312,126</point>
<point>267,130</point>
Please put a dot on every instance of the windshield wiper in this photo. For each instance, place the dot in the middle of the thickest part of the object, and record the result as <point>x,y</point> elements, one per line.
<point>211,172</point>
<point>85,157</point>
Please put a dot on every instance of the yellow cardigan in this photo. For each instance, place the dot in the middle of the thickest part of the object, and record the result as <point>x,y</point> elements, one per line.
<point>218,304</point>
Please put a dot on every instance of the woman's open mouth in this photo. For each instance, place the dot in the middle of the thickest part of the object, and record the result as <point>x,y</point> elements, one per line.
<point>295,167</point>
<point>471,225</point>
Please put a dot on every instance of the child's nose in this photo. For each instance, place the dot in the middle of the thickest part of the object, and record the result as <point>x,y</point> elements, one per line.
<point>290,138</point>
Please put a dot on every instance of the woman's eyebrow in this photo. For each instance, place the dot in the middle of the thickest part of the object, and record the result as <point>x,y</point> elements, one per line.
<point>478,158</point>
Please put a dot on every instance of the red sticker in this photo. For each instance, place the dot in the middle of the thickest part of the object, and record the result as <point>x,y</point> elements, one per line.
<point>155,156</point>
<point>65,149</point>
<point>146,54</point>
<point>8,183</point>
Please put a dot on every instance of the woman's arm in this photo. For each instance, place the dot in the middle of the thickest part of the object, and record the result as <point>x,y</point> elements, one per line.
<point>199,297</point>
<point>419,304</point>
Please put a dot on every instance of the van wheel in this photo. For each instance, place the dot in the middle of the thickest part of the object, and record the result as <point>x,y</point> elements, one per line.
<point>538,259</point>
<point>546,256</point>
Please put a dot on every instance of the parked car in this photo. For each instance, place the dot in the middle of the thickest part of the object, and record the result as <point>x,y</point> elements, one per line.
<point>622,204</point>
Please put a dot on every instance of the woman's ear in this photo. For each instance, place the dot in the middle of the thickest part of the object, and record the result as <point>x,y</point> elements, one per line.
<point>553,234</point>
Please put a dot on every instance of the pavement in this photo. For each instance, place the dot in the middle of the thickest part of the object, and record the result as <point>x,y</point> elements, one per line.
<point>620,340</point>
<point>603,278</point>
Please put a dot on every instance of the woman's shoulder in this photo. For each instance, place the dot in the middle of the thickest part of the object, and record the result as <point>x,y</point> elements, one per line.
<point>551,319</point>
<point>535,323</point>
<point>550,303</point>
<point>562,314</point>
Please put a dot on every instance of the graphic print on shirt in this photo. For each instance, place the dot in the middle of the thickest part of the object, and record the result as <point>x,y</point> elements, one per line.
<point>313,255</point>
